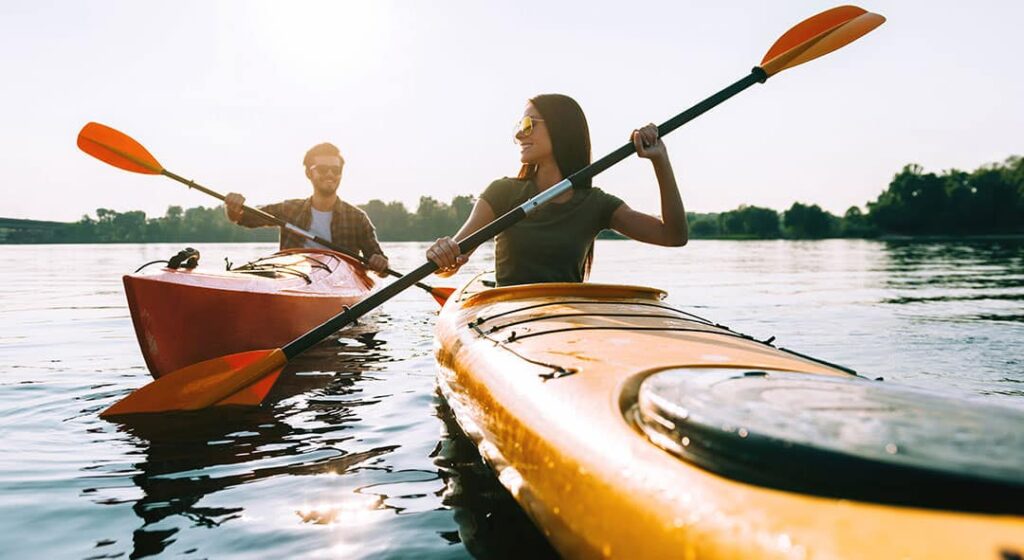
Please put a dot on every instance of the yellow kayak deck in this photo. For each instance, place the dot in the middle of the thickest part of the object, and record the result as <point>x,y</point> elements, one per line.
<point>543,379</point>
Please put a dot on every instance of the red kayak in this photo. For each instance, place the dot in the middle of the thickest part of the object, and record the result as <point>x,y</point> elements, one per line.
<point>184,316</point>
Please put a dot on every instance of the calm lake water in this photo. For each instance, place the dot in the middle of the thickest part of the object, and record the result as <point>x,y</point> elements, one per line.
<point>355,456</point>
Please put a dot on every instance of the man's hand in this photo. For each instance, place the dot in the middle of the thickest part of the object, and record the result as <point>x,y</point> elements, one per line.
<point>379,264</point>
<point>233,206</point>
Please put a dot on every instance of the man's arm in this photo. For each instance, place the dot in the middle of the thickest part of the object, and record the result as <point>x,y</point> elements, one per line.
<point>370,247</point>
<point>233,203</point>
<point>254,220</point>
<point>368,243</point>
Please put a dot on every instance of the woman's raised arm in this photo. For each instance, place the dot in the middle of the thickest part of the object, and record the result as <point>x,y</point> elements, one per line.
<point>671,230</point>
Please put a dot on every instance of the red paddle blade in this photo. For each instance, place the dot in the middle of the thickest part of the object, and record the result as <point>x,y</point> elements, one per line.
<point>117,149</point>
<point>441,295</point>
<point>243,379</point>
<point>819,35</point>
<point>811,28</point>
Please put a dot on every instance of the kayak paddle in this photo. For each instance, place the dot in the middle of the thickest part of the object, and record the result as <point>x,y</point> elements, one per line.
<point>120,150</point>
<point>230,379</point>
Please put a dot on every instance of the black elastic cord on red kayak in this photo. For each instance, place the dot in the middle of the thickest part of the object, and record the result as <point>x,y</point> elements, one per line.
<point>258,266</point>
<point>187,258</point>
<point>150,263</point>
<point>264,270</point>
<point>317,263</point>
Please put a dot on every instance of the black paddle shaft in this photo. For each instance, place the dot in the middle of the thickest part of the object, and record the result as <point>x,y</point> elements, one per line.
<point>510,218</point>
<point>281,223</point>
<point>757,75</point>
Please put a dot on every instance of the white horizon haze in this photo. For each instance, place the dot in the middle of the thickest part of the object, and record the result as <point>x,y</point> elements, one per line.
<point>421,97</point>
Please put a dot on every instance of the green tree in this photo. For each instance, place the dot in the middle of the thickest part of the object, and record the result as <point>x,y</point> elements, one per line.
<point>987,200</point>
<point>82,231</point>
<point>702,226</point>
<point>462,207</point>
<point>750,222</point>
<point>914,203</point>
<point>129,226</point>
<point>432,219</point>
<point>808,222</point>
<point>855,224</point>
<point>391,220</point>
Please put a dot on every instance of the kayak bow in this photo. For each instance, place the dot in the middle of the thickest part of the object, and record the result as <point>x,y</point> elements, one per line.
<point>183,317</point>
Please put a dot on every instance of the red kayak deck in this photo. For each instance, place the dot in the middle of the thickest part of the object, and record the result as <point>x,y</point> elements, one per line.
<point>182,317</point>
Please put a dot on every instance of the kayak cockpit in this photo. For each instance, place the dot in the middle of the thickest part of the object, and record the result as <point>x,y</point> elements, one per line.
<point>841,437</point>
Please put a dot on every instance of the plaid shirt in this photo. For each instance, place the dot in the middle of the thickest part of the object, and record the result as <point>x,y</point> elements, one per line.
<point>350,226</point>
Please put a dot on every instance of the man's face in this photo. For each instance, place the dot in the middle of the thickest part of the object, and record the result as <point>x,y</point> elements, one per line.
<point>325,174</point>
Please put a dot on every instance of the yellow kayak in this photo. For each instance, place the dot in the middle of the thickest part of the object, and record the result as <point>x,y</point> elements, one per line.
<point>627,428</point>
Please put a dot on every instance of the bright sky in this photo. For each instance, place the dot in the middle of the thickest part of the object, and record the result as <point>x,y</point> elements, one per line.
<point>421,96</point>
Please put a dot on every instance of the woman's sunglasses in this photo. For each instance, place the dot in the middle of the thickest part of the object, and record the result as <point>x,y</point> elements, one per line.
<point>326,169</point>
<point>524,127</point>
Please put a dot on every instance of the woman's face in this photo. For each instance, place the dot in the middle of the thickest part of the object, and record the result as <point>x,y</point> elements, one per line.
<point>536,147</point>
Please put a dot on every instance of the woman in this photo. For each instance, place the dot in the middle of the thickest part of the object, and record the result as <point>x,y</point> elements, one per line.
<point>555,243</point>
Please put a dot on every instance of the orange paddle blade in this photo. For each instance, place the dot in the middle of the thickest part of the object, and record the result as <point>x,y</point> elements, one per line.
<point>117,149</point>
<point>244,378</point>
<point>819,35</point>
<point>441,295</point>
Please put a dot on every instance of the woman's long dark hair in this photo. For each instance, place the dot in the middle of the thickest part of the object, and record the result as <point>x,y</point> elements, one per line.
<point>570,142</point>
<point>570,135</point>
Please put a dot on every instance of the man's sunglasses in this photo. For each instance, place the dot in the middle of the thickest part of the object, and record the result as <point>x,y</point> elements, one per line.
<point>326,169</point>
<point>524,127</point>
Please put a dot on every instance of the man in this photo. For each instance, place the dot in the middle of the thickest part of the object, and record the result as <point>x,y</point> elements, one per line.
<point>323,214</point>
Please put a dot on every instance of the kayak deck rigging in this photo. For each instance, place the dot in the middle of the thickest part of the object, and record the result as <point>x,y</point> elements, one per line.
<point>261,267</point>
<point>708,326</point>
<point>485,319</point>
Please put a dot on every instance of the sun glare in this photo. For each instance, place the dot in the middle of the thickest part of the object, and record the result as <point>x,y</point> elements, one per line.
<point>320,41</point>
<point>352,510</point>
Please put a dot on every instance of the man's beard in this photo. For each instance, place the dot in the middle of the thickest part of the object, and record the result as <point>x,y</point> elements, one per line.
<point>326,188</point>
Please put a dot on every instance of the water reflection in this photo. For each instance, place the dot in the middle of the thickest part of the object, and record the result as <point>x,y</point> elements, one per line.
<point>310,426</point>
<point>189,456</point>
<point>985,278</point>
<point>956,252</point>
<point>491,525</point>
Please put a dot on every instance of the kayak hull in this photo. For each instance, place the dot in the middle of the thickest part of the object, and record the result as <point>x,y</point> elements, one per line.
<point>544,377</point>
<point>183,317</point>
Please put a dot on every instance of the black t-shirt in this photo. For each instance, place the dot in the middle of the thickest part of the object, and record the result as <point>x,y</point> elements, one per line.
<point>551,244</point>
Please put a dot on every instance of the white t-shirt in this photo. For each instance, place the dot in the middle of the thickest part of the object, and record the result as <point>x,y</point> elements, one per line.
<point>320,227</point>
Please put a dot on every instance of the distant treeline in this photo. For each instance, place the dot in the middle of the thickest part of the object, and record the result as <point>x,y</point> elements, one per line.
<point>193,225</point>
<point>989,200</point>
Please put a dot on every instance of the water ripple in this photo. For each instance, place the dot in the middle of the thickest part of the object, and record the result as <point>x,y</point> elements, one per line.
<point>354,455</point>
